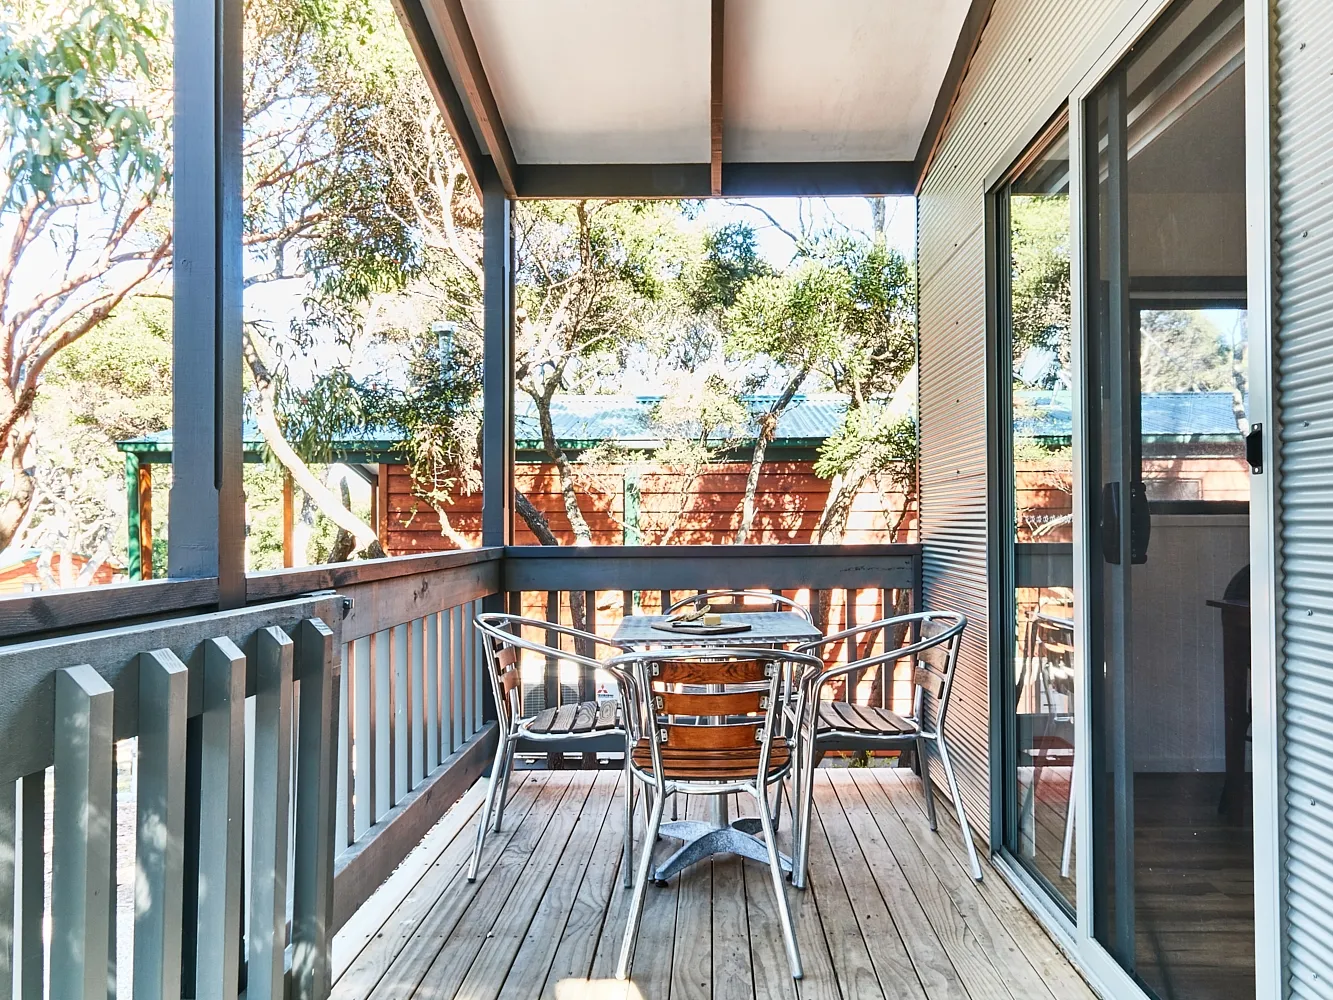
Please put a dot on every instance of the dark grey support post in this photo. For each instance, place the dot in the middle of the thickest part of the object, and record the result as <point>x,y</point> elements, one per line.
<point>497,453</point>
<point>207,511</point>
<point>497,461</point>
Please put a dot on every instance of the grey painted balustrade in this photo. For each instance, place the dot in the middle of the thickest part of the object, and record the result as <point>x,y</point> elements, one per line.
<point>287,755</point>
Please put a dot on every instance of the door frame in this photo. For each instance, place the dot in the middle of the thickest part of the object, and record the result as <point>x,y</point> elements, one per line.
<point>1125,26</point>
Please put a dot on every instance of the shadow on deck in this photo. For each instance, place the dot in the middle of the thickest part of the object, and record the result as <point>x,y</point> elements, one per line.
<point>891,911</point>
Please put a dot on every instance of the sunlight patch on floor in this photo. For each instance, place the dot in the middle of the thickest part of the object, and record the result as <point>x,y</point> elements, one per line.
<point>596,989</point>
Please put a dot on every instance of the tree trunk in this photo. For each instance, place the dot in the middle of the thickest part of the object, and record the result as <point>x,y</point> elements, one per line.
<point>768,428</point>
<point>534,519</point>
<point>842,493</point>
<point>22,488</point>
<point>344,542</point>
<point>324,498</point>
<point>582,533</point>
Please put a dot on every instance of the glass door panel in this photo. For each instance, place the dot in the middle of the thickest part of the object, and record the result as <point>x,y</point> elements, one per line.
<point>1036,549</point>
<point>1168,530</point>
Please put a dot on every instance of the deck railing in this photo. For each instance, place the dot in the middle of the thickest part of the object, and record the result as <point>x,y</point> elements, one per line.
<point>592,587</point>
<point>289,755</point>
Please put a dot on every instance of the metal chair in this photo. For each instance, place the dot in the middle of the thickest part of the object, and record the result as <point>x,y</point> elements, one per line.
<point>934,656</point>
<point>737,602</point>
<point>706,722</point>
<point>587,720</point>
<point>740,602</point>
<point>1048,669</point>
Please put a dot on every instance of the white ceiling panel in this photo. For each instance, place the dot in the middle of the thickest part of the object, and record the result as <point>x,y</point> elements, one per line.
<point>598,81</point>
<point>833,79</point>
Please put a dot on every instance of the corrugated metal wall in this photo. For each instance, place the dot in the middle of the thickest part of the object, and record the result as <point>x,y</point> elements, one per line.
<point>1303,357</point>
<point>1025,50</point>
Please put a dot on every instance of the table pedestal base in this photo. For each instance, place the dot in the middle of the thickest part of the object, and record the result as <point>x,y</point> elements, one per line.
<point>705,839</point>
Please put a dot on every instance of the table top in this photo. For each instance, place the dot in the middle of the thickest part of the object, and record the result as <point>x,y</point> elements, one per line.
<point>766,628</point>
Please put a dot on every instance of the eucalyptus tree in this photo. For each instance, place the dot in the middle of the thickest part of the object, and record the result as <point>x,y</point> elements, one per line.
<point>83,140</point>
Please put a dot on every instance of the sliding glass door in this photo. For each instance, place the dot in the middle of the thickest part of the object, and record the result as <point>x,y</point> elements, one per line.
<point>1122,665</point>
<point>1167,533</point>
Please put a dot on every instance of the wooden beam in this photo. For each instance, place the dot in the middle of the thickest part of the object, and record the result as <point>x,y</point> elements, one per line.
<point>462,48</point>
<point>694,180</point>
<point>288,522</point>
<point>969,37</point>
<point>144,488</point>
<point>421,36</point>
<point>715,100</point>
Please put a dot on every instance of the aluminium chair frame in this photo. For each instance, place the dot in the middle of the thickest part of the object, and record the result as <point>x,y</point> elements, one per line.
<point>778,601</point>
<point>918,737</point>
<point>635,673</point>
<point>513,726</point>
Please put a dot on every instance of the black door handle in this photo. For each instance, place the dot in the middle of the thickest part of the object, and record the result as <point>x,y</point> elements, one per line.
<point>1110,526</point>
<point>1140,523</point>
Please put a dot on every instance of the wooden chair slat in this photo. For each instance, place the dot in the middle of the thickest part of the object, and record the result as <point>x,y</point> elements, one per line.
<point>727,737</point>
<point>510,678</point>
<point>704,765</point>
<point>701,704</point>
<point>930,681</point>
<point>585,716</point>
<point>541,722</point>
<point>606,714</point>
<point>564,718</point>
<point>506,656</point>
<point>936,657</point>
<point>706,672</point>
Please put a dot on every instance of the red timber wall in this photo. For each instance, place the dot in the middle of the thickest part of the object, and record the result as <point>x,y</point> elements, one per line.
<point>790,500</point>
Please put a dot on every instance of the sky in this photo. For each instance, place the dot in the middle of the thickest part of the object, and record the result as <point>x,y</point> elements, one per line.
<point>777,248</point>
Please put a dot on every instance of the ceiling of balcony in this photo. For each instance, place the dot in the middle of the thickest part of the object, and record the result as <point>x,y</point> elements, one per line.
<point>598,82</point>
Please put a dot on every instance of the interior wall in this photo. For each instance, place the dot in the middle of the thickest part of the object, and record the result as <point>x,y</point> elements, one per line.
<point>1026,49</point>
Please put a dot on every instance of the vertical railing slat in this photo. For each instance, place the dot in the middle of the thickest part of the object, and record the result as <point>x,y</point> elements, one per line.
<point>551,685</point>
<point>478,665</point>
<point>112,887</point>
<point>363,740</point>
<point>164,684</point>
<point>382,703</point>
<point>8,869</point>
<point>342,828</point>
<point>318,669</point>
<point>431,665</point>
<point>81,851</point>
<point>272,780</point>
<point>449,694</point>
<point>456,649</point>
<point>220,830</point>
<point>416,674</point>
<point>32,891</point>
<point>401,723</point>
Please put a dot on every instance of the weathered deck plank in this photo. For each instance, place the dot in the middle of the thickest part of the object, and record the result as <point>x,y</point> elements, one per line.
<point>891,911</point>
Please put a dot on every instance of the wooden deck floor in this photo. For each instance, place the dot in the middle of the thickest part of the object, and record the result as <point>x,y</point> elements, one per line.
<point>891,911</point>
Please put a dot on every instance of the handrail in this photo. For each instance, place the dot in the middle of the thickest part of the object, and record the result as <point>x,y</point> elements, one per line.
<point>270,584</point>
<point>55,611</point>
<point>682,567</point>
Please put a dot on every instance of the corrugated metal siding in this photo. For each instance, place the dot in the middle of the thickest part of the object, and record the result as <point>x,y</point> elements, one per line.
<point>1303,356</point>
<point>1026,48</point>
